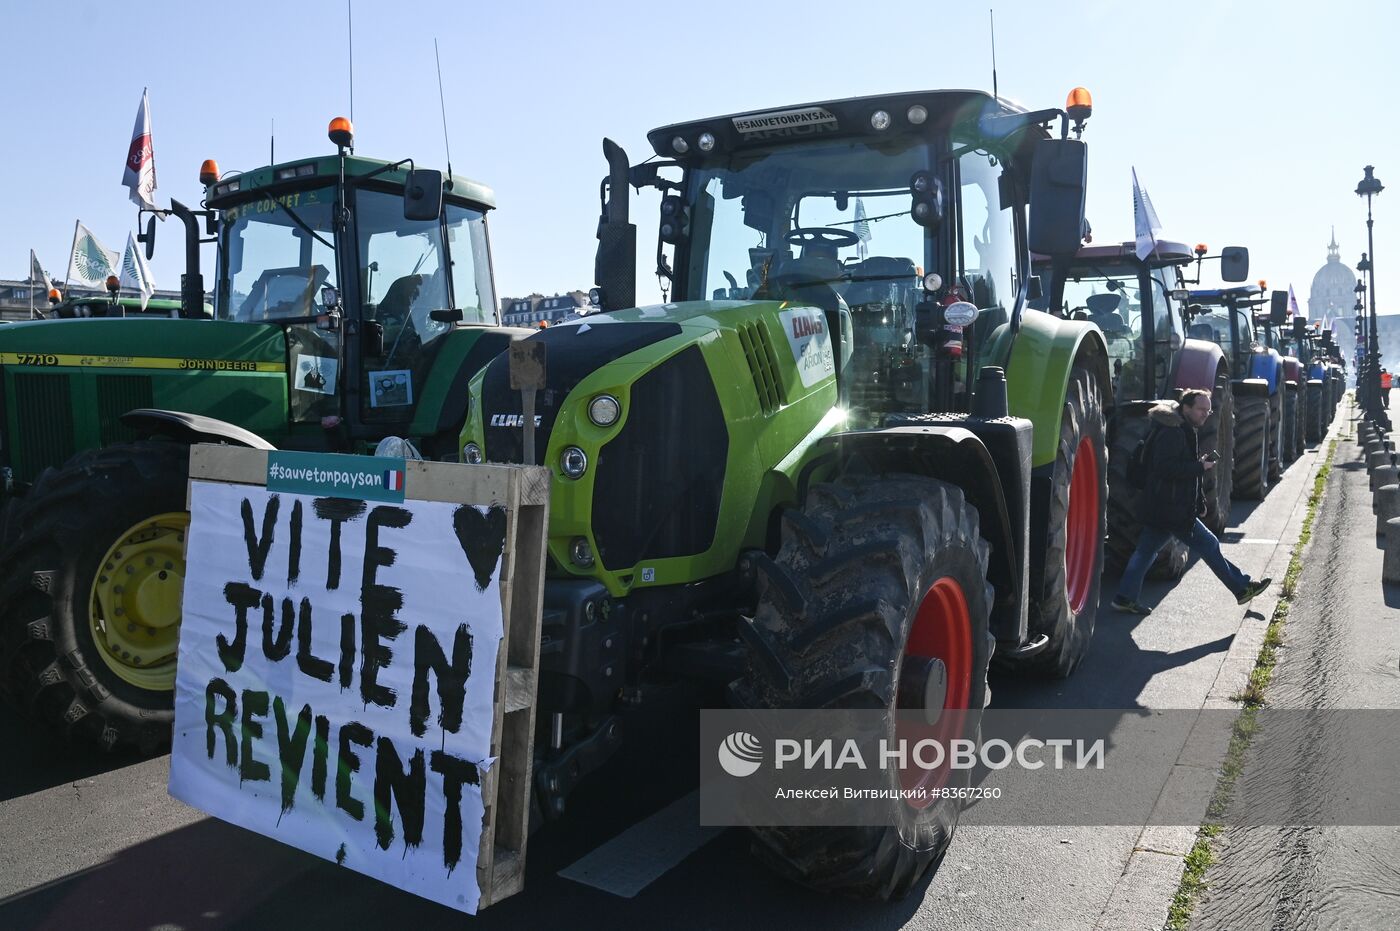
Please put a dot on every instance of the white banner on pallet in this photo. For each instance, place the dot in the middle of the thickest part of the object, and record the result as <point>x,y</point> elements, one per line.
<point>336,678</point>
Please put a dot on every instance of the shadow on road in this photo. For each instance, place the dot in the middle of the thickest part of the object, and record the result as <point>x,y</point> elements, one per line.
<point>36,760</point>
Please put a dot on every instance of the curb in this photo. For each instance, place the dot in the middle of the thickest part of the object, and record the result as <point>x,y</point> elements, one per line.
<point>1143,894</point>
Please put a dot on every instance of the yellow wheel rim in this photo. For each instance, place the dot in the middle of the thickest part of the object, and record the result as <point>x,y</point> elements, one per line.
<point>135,604</point>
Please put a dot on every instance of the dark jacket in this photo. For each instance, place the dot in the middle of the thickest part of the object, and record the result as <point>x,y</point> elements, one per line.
<point>1172,498</point>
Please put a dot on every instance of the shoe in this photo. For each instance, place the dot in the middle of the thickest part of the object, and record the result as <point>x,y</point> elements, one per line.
<point>1130,607</point>
<point>1252,590</point>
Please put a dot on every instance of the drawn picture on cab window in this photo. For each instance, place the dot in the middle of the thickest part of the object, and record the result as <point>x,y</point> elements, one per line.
<point>390,389</point>
<point>315,374</point>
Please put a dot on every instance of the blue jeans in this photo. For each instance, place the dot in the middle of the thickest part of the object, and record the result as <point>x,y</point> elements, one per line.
<point>1201,541</point>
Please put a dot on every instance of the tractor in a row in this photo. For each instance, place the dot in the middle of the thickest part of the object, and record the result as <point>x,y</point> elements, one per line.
<point>352,300</point>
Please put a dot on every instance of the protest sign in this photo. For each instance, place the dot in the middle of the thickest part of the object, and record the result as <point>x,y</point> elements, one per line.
<point>343,684</point>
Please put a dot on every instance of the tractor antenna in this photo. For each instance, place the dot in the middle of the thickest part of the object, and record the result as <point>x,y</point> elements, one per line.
<point>992,19</point>
<point>350,27</point>
<point>272,143</point>
<point>442,104</point>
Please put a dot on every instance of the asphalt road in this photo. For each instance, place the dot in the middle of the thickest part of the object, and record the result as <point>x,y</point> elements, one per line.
<point>96,842</point>
<point>1341,651</point>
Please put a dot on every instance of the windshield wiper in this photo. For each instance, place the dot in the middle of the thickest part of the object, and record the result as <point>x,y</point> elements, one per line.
<point>302,224</point>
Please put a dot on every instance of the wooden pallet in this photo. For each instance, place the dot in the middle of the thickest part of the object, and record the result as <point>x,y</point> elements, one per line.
<point>524,493</point>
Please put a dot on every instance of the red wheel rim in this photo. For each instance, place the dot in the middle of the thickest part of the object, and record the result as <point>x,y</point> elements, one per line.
<point>943,630</point>
<point>1082,525</point>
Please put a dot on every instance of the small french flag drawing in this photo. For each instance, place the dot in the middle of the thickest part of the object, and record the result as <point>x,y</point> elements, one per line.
<point>393,480</point>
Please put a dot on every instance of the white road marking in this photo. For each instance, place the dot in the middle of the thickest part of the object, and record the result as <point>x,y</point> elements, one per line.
<point>646,851</point>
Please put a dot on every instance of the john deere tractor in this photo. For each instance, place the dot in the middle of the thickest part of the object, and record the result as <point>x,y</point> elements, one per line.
<point>1258,382</point>
<point>844,465</point>
<point>1139,306</point>
<point>352,300</point>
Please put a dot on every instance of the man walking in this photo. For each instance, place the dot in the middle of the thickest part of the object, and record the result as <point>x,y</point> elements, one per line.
<point>1385,389</point>
<point>1172,500</point>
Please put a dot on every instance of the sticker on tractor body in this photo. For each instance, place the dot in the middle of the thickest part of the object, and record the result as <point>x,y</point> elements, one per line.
<point>315,374</point>
<point>787,122</point>
<point>810,341</point>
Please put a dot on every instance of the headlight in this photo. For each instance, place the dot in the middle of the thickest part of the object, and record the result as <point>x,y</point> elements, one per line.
<point>880,121</point>
<point>471,454</point>
<point>604,410</point>
<point>573,462</point>
<point>580,553</point>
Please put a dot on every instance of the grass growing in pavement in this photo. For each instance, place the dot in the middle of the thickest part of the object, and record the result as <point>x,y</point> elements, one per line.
<point>1202,853</point>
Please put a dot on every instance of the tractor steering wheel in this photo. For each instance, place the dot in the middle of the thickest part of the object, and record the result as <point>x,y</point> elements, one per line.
<point>821,236</point>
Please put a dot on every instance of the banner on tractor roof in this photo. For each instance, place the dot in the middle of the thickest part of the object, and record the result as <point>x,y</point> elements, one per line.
<point>336,678</point>
<point>90,262</point>
<point>139,173</point>
<point>135,273</point>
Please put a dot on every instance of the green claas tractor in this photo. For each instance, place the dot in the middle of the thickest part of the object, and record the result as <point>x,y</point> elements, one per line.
<point>353,298</point>
<point>843,465</point>
<point>1139,306</point>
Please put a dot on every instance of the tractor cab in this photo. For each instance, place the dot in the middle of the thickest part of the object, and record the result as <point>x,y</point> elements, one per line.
<point>1140,305</point>
<point>364,266</point>
<point>902,218</point>
<point>1226,316</point>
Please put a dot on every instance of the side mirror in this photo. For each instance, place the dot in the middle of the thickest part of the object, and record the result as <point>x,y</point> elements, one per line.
<point>448,315</point>
<point>149,237</point>
<point>1059,182</point>
<point>422,194</point>
<point>1234,263</point>
<point>1278,308</point>
<point>1300,329</point>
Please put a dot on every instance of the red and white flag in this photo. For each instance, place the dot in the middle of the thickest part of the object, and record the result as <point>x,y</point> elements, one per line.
<point>140,171</point>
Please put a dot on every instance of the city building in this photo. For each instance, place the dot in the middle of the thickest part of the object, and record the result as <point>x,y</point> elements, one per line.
<point>536,309</point>
<point>15,296</point>
<point>1333,287</point>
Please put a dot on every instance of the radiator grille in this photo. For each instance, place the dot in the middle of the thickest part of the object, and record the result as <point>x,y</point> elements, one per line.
<point>44,410</point>
<point>763,365</point>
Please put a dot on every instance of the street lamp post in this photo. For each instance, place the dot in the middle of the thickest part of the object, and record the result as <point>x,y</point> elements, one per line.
<point>1363,385</point>
<point>1369,187</point>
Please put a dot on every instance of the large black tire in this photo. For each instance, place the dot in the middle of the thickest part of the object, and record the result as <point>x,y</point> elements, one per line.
<point>1316,425</point>
<point>1277,462</point>
<point>835,610</point>
<point>51,663</point>
<point>1065,607</point>
<point>1251,447</point>
<point>1292,423</point>
<point>1217,435</point>
<point>1123,506</point>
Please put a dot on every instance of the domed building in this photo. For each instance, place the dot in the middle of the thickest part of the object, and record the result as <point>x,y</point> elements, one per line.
<point>1333,287</point>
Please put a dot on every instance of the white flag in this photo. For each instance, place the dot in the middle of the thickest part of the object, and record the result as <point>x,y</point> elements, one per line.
<point>140,171</point>
<point>862,228</point>
<point>37,275</point>
<point>1293,310</point>
<point>1146,226</point>
<point>91,262</point>
<point>135,273</point>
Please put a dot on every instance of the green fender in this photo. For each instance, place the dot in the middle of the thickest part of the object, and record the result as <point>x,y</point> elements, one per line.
<point>1038,364</point>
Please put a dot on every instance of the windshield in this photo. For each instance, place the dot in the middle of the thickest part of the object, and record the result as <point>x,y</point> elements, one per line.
<point>272,267</point>
<point>1213,324</point>
<point>1112,301</point>
<point>836,213</point>
<point>404,269</point>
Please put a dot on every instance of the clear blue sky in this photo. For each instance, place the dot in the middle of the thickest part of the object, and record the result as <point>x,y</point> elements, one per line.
<point>1248,122</point>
